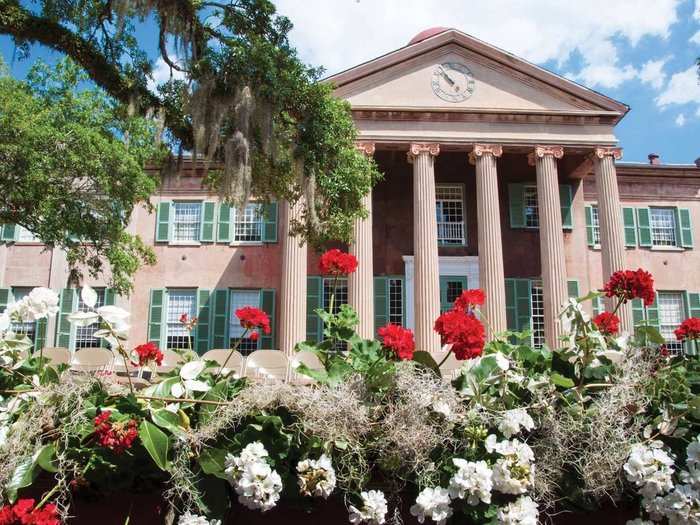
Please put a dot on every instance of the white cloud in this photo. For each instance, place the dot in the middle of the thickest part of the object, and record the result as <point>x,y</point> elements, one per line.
<point>343,33</point>
<point>680,120</point>
<point>161,74</point>
<point>695,39</point>
<point>652,73</point>
<point>682,88</point>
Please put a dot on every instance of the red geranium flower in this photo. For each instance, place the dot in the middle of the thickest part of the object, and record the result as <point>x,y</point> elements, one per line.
<point>628,284</point>
<point>147,353</point>
<point>335,262</point>
<point>689,329</point>
<point>399,340</point>
<point>23,513</point>
<point>254,336</point>
<point>117,436</point>
<point>252,317</point>
<point>470,299</point>
<point>607,323</point>
<point>464,332</point>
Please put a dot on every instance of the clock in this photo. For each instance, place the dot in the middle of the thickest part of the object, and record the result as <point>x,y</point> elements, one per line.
<point>452,82</point>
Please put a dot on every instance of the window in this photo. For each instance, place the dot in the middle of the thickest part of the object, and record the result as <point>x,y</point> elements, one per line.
<point>85,335</point>
<point>396,301</point>
<point>239,299</point>
<point>450,214</point>
<point>532,215</point>
<point>341,298</point>
<point>24,235</point>
<point>671,314</point>
<point>28,328</point>
<point>537,324</point>
<point>180,302</point>
<point>663,226</point>
<point>186,221</point>
<point>248,224</point>
<point>595,225</point>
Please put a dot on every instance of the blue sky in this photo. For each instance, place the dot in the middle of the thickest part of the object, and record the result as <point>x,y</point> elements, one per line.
<point>641,52</point>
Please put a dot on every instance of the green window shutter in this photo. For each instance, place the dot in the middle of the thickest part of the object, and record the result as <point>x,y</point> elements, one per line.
<point>314,299</point>
<point>692,309</point>
<point>652,312</point>
<point>572,288</point>
<point>67,303</point>
<point>518,308</point>
<point>445,280</point>
<point>381,302</point>
<point>110,298</point>
<point>201,336</point>
<point>156,314</point>
<point>206,233</point>
<point>163,222</point>
<point>4,298</point>
<point>637,311</point>
<point>220,316</point>
<point>517,205</point>
<point>644,227</point>
<point>685,227</point>
<point>8,232</point>
<point>269,233</point>
<point>267,305</point>
<point>223,233</point>
<point>630,224</point>
<point>40,334</point>
<point>589,225</point>
<point>565,201</point>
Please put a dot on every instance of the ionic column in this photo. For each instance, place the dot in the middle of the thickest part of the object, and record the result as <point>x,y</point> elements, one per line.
<point>491,277</point>
<point>612,239</point>
<point>361,282</point>
<point>427,271</point>
<point>551,239</point>
<point>293,287</point>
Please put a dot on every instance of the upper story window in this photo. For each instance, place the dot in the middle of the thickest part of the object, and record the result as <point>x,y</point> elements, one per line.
<point>671,314</point>
<point>248,223</point>
<point>537,309</point>
<point>239,299</point>
<point>663,226</point>
<point>85,335</point>
<point>595,225</point>
<point>396,301</point>
<point>180,302</point>
<point>449,204</point>
<point>186,223</point>
<point>24,235</point>
<point>531,209</point>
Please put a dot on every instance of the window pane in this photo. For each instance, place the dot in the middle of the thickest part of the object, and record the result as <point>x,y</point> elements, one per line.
<point>84,335</point>
<point>396,301</point>
<point>671,314</point>
<point>24,235</point>
<point>186,218</point>
<point>663,226</point>
<point>179,302</point>
<point>537,302</point>
<point>595,222</point>
<point>450,213</point>
<point>239,299</point>
<point>29,328</point>
<point>247,226</point>
<point>341,298</point>
<point>532,215</point>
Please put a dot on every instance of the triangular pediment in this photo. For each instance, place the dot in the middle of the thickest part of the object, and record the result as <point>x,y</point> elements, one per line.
<point>479,77</point>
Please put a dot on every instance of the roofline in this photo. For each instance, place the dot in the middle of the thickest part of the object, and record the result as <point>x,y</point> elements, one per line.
<point>495,53</point>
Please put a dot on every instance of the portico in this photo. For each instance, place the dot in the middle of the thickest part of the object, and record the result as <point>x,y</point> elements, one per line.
<point>510,143</point>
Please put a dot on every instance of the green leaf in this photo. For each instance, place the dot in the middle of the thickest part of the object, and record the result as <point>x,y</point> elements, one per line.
<point>45,458</point>
<point>650,334</point>
<point>162,389</point>
<point>216,393</point>
<point>156,443</point>
<point>424,358</point>
<point>561,381</point>
<point>23,476</point>
<point>213,461</point>
<point>169,421</point>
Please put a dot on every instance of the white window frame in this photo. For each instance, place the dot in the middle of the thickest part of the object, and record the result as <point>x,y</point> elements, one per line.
<point>537,315</point>
<point>667,323</point>
<point>179,329</point>
<point>30,238</point>
<point>174,222</point>
<point>259,215</point>
<point>595,224</point>
<point>451,241</point>
<point>531,189</point>
<point>234,325</point>
<point>671,213</point>
<point>396,310</point>
<point>85,334</point>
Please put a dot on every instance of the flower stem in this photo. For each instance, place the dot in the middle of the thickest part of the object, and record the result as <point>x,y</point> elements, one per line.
<point>230,354</point>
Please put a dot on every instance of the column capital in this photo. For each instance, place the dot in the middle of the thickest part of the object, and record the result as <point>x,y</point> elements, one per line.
<point>416,148</point>
<point>602,152</point>
<point>542,151</point>
<point>485,149</point>
<point>365,147</point>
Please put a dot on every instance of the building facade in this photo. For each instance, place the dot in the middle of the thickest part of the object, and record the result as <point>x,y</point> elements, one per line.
<point>497,174</point>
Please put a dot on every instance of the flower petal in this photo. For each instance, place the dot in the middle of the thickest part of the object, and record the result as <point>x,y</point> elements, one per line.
<point>83,318</point>
<point>196,386</point>
<point>192,370</point>
<point>112,314</point>
<point>89,296</point>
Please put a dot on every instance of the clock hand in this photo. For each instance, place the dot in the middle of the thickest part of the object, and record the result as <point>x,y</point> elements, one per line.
<point>447,77</point>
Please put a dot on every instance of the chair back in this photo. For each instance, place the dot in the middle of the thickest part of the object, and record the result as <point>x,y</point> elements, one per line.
<point>307,358</point>
<point>234,363</point>
<point>451,367</point>
<point>92,359</point>
<point>56,355</point>
<point>267,365</point>
<point>171,359</point>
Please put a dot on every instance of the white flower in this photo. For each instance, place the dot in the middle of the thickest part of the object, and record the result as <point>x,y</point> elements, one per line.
<point>513,473</point>
<point>472,481</point>
<point>614,356</point>
<point>693,452</point>
<point>682,506</point>
<point>113,314</point>
<point>691,476</point>
<point>89,296</point>
<point>83,318</point>
<point>514,420</point>
<point>189,382</point>
<point>42,302</point>
<point>522,511</point>
<point>502,361</point>
<point>433,503</point>
<point>639,521</point>
<point>257,485</point>
<point>193,519</point>
<point>373,511</point>
<point>316,477</point>
<point>443,408</point>
<point>650,469</point>
<point>5,321</point>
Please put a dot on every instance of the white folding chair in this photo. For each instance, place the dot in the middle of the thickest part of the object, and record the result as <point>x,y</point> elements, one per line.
<point>234,363</point>
<point>93,359</point>
<point>450,368</point>
<point>267,365</point>
<point>307,358</point>
<point>56,355</point>
<point>170,361</point>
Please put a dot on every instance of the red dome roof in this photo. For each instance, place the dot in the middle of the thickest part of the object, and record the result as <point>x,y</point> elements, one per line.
<point>427,33</point>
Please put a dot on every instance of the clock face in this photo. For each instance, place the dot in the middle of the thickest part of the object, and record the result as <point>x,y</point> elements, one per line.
<point>453,82</point>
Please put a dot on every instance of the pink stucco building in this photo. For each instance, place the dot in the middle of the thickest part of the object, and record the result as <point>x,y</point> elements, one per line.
<point>497,174</point>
